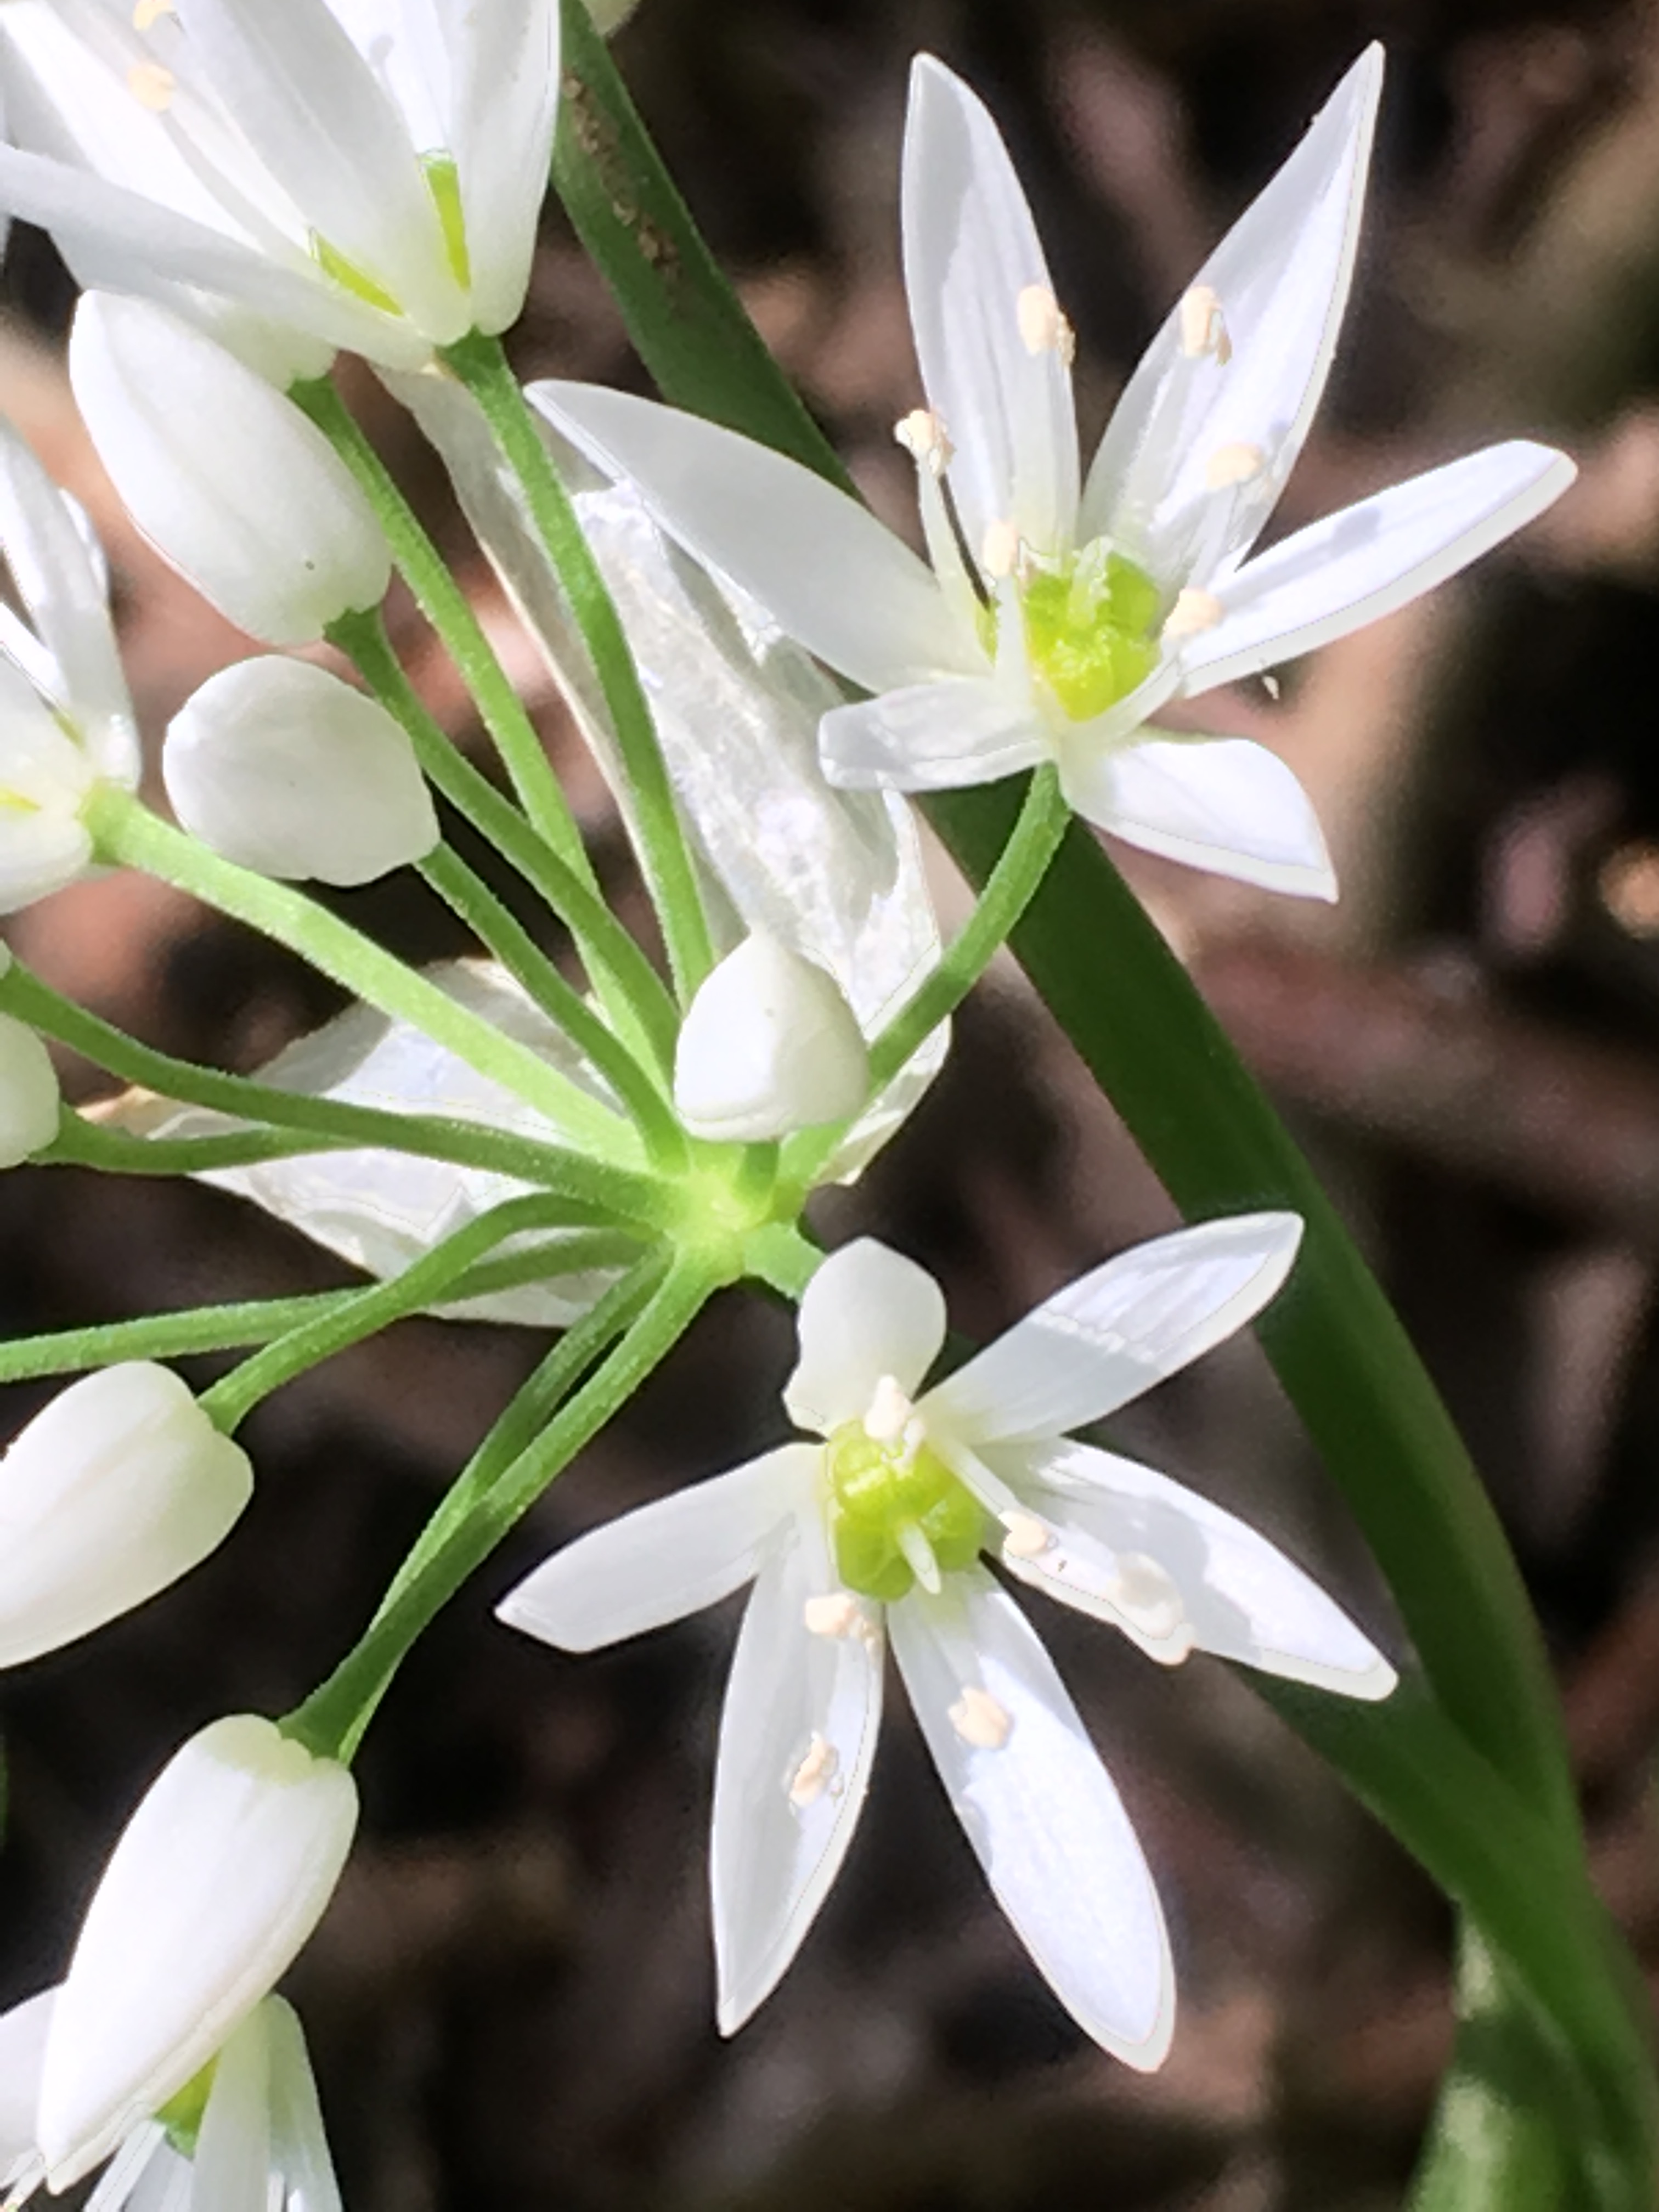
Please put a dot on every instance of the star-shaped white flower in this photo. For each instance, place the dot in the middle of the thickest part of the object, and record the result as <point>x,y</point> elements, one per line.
<point>66,722</point>
<point>327,173</point>
<point>879,1529</point>
<point>1061,615</point>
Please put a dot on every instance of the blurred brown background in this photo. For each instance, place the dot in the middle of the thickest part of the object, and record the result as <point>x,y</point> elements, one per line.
<point>511,2004</point>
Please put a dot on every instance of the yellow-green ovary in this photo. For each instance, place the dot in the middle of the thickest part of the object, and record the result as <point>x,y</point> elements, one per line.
<point>875,1490</point>
<point>1091,630</point>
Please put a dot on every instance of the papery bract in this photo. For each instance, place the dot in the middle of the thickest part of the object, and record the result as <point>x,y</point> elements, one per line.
<point>769,1046</point>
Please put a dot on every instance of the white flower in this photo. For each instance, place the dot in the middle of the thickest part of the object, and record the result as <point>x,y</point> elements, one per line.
<point>283,768</point>
<point>216,1882</point>
<point>879,1529</point>
<point>769,1046</point>
<point>1057,619</point>
<point>246,2135</point>
<point>120,1485</point>
<point>31,1103</point>
<point>66,722</point>
<point>229,481</point>
<point>327,173</point>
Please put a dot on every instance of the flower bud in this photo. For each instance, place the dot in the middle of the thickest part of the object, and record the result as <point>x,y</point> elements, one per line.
<point>281,767</point>
<point>229,481</point>
<point>29,1099</point>
<point>769,1046</point>
<point>218,1878</point>
<point>119,1486</point>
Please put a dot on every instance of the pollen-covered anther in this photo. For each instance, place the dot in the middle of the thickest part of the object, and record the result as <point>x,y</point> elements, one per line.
<point>152,85</point>
<point>978,1719</point>
<point>1204,327</point>
<point>1043,327</point>
<point>1147,1596</point>
<point>890,1414</point>
<point>1028,1538</point>
<point>1000,550</point>
<point>835,1612</point>
<point>149,12</point>
<point>923,436</point>
<point>1235,464</point>
<point>1192,613</point>
<point>815,1774</point>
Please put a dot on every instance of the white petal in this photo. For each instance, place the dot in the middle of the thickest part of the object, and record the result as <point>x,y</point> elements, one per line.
<point>1360,564</point>
<point>1042,1814</point>
<point>145,2175</point>
<point>299,2145</point>
<point>798,1734</point>
<point>314,110</point>
<point>23,2032</point>
<point>120,1485</point>
<point>769,1046</point>
<point>39,853</point>
<point>1222,803</point>
<point>283,768</point>
<point>1118,1330</point>
<point>830,575</point>
<point>971,252</point>
<point>867,1313</point>
<point>504,102</point>
<point>233,2149</point>
<point>218,1878</point>
<point>933,736</point>
<point>235,487</point>
<point>663,1560</point>
<point>1281,276</point>
<point>1242,1598</point>
<point>30,1103</point>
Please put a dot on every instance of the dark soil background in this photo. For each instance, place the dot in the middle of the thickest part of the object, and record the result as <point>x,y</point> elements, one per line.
<point>511,2002</point>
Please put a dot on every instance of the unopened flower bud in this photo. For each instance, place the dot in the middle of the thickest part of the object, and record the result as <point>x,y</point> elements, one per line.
<point>121,1485</point>
<point>218,1878</point>
<point>229,481</point>
<point>283,768</point>
<point>769,1046</point>
<point>29,1100</point>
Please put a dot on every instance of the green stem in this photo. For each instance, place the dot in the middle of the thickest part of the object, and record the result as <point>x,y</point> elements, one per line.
<point>125,831</point>
<point>83,1144</point>
<point>481,365</point>
<point>610,1194</point>
<point>332,1720</point>
<point>629,986</point>
<point>446,606</point>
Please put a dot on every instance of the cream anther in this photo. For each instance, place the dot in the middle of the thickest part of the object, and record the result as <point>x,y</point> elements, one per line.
<point>999,552</point>
<point>152,85</point>
<point>1145,1595</point>
<point>923,437</point>
<point>1042,326</point>
<point>890,1413</point>
<point>1204,327</point>
<point>978,1719</point>
<point>1235,464</point>
<point>815,1774</point>
<point>151,11</point>
<point>1027,1538</point>
<point>837,1612</point>
<point>1191,613</point>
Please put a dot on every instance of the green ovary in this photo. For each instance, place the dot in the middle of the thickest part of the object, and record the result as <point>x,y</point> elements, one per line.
<point>1091,630</point>
<point>875,1490</point>
<point>181,2115</point>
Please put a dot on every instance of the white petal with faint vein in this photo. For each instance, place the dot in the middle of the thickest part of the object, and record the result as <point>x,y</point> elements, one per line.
<point>868,1312</point>
<point>931,737</point>
<point>233,2149</point>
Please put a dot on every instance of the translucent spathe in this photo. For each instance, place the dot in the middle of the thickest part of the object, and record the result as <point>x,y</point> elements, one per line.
<point>283,768</point>
<point>902,1472</point>
<point>333,173</point>
<point>227,478</point>
<point>769,1046</point>
<point>1055,623</point>
<point>218,1878</point>
<point>118,1488</point>
<point>30,1102</point>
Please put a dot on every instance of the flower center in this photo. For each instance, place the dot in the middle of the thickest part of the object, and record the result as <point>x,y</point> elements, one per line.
<point>1091,628</point>
<point>898,1514</point>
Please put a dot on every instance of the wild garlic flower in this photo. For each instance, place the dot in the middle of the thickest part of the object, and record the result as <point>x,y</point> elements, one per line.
<point>66,722</point>
<point>246,2136</point>
<point>1061,615</point>
<point>878,1530</point>
<point>363,173</point>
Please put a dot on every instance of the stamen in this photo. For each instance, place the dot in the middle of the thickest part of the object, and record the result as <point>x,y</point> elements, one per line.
<point>999,552</point>
<point>1270,684</point>
<point>152,85</point>
<point>815,1774</point>
<point>149,12</point>
<point>1148,1597</point>
<point>1191,613</point>
<point>1028,1538</point>
<point>1233,465</point>
<point>923,437</point>
<point>1042,327</point>
<point>891,1412</point>
<point>912,1541</point>
<point>978,1719</point>
<point>1204,327</point>
<point>836,1613</point>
